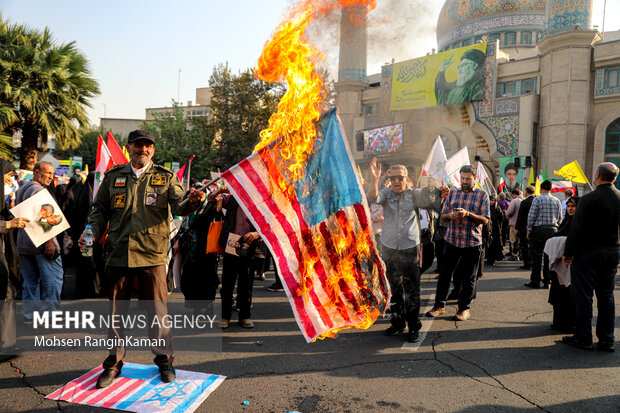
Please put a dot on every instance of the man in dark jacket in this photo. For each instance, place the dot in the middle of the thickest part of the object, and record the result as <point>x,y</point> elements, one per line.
<point>593,250</point>
<point>521,227</point>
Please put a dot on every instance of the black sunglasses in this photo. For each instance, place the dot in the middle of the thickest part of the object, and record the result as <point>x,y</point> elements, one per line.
<point>397,177</point>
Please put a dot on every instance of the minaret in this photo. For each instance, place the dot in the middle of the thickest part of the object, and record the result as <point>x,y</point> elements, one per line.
<point>353,44</point>
<point>565,83</point>
<point>352,70</point>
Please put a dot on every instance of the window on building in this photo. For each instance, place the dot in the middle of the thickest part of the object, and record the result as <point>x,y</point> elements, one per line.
<point>494,36</point>
<point>456,45</point>
<point>538,37</point>
<point>466,42</point>
<point>526,37</point>
<point>506,89</point>
<point>370,109</point>
<point>612,77</point>
<point>510,38</point>
<point>478,39</point>
<point>528,85</point>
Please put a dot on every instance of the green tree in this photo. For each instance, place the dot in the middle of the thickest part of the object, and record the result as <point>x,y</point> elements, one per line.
<point>45,88</point>
<point>87,148</point>
<point>179,137</point>
<point>241,107</point>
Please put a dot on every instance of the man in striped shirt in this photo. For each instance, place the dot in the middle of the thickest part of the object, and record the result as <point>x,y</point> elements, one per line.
<point>466,209</point>
<point>542,222</point>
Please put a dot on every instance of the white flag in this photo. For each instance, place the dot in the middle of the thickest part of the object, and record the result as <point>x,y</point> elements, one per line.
<point>450,171</point>
<point>436,159</point>
<point>481,174</point>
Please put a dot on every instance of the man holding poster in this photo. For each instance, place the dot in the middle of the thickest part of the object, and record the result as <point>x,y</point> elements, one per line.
<point>41,266</point>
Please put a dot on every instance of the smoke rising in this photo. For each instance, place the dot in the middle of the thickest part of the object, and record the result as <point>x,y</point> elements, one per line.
<point>400,30</point>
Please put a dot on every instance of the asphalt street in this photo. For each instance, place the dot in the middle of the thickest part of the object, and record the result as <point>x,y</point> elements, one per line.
<point>505,358</point>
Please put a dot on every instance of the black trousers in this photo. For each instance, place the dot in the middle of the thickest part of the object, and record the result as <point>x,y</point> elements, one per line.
<point>595,271</point>
<point>466,260</point>
<point>524,245</point>
<point>236,271</point>
<point>403,272</point>
<point>540,260</point>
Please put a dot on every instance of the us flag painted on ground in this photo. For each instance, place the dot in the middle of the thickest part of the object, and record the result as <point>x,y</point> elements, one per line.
<point>318,230</point>
<point>139,389</point>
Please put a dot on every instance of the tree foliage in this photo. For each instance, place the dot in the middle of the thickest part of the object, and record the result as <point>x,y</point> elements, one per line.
<point>179,137</point>
<point>241,106</point>
<point>45,88</point>
<point>87,148</point>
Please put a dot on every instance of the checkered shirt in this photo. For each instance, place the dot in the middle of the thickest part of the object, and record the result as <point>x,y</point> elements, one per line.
<point>546,210</point>
<point>464,233</point>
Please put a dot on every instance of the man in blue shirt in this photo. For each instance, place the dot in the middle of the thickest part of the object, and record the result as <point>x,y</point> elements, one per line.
<point>543,221</point>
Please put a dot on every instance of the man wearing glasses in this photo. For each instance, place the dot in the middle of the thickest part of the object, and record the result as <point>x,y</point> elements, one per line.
<point>400,242</point>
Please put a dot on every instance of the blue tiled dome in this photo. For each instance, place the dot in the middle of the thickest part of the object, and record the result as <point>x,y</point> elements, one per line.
<point>461,19</point>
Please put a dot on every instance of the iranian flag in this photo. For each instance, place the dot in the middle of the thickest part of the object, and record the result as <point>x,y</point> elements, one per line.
<point>562,186</point>
<point>104,162</point>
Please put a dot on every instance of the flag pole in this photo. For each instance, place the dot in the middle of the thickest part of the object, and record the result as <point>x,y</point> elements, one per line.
<point>202,188</point>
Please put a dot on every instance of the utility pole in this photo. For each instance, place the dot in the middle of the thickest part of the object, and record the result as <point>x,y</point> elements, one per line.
<point>179,87</point>
<point>604,11</point>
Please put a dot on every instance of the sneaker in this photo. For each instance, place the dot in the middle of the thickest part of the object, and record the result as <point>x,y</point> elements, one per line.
<point>532,284</point>
<point>575,342</point>
<point>607,346</point>
<point>106,378</point>
<point>168,375</point>
<point>275,287</point>
<point>462,315</point>
<point>225,323</point>
<point>436,311</point>
<point>246,323</point>
<point>393,330</point>
<point>412,337</point>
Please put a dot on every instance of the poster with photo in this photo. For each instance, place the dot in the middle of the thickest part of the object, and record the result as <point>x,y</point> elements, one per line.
<point>46,218</point>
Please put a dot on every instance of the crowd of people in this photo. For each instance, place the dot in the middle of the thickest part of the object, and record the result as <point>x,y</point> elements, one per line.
<point>462,229</point>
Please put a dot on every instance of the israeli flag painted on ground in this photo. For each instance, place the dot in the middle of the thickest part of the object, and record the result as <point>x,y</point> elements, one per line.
<point>140,389</point>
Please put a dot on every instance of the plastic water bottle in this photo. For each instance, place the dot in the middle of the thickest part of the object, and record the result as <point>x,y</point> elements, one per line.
<point>89,238</point>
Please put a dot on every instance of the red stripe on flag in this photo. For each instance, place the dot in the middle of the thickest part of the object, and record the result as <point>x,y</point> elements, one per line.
<point>333,258</point>
<point>288,229</point>
<point>363,220</point>
<point>103,393</point>
<point>122,394</point>
<point>342,220</point>
<point>273,241</point>
<point>82,388</point>
<point>73,384</point>
<point>306,234</point>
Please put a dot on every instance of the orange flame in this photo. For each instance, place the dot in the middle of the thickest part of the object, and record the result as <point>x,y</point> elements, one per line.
<point>290,57</point>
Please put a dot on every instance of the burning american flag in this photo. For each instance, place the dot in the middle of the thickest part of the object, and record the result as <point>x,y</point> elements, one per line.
<point>301,190</point>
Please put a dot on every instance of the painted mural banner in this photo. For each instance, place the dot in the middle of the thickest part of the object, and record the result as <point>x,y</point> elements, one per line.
<point>453,76</point>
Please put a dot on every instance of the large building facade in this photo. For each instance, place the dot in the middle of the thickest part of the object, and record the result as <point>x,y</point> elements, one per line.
<point>552,88</point>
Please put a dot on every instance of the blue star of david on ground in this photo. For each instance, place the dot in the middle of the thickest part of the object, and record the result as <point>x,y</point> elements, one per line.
<point>158,396</point>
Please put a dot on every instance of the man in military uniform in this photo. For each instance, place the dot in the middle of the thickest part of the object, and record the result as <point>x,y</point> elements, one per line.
<point>134,203</point>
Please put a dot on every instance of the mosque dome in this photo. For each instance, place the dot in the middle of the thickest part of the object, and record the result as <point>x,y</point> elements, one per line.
<point>513,22</point>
